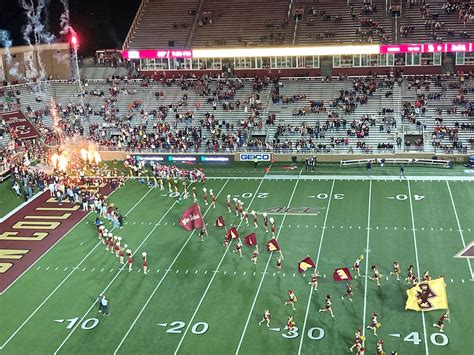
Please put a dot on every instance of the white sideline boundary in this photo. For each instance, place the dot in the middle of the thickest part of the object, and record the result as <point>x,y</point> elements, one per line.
<point>346,178</point>
<point>263,275</point>
<point>212,278</point>
<point>67,276</point>
<point>161,280</point>
<point>316,267</point>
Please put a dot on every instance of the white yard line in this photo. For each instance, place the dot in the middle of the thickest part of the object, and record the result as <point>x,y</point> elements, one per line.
<point>316,266</point>
<point>459,228</point>
<point>264,273</point>
<point>64,280</point>
<point>161,280</point>
<point>213,277</point>
<point>367,260</point>
<point>136,253</point>
<point>417,263</point>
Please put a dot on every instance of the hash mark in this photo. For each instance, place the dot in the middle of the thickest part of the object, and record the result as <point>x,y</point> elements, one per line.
<point>47,268</point>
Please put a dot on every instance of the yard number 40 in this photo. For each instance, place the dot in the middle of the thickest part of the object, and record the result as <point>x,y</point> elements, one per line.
<point>438,339</point>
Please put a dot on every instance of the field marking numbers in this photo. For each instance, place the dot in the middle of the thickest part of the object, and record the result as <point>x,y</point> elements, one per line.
<point>317,262</point>
<point>264,273</point>
<point>163,278</point>
<point>66,278</point>
<point>214,275</point>
<point>414,337</point>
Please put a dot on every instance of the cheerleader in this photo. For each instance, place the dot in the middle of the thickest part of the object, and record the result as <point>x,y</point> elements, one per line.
<point>272,221</point>
<point>145,263</point>
<point>279,262</point>
<point>374,323</point>
<point>266,318</point>
<point>376,276</point>
<point>228,204</point>
<point>327,306</point>
<point>254,215</point>
<point>236,201</point>
<point>238,248</point>
<point>314,280</point>
<point>213,199</point>
<point>265,221</point>
<point>130,260</point>
<point>195,200</point>
<point>246,217</point>
<point>396,270</point>
<point>122,254</point>
<point>356,265</point>
<point>291,299</point>
<point>204,196</point>
<point>254,256</point>
<point>290,324</point>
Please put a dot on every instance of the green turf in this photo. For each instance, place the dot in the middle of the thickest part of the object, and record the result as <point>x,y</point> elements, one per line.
<point>207,285</point>
<point>8,199</point>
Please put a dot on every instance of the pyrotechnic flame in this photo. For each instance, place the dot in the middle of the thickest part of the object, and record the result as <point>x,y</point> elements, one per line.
<point>84,154</point>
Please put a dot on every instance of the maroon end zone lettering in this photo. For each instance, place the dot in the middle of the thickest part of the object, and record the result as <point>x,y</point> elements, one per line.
<point>17,121</point>
<point>33,230</point>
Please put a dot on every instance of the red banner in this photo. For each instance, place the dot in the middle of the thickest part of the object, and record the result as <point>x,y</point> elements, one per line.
<point>232,233</point>
<point>251,239</point>
<point>192,218</point>
<point>220,222</point>
<point>305,264</point>
<point>19,125</point>
<point>342,274</point>
<point>272,245</point>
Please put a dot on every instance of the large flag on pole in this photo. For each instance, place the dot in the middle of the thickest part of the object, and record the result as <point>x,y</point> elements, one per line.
<point>232,233</point>
<point>272,245</point>
<point>305,264</point>
<point>251,239</point>
<point>192,218</point>
<point>220,222</point>
<point>342,274</point>
<point>427,296</point>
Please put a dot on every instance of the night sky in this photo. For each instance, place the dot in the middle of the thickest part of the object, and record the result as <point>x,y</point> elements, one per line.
<point>99,23</point>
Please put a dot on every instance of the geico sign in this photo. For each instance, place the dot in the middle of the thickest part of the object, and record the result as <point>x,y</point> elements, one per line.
<point>259,157</point>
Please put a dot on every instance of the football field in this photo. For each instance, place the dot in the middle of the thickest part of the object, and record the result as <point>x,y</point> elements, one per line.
<point>202,298</point>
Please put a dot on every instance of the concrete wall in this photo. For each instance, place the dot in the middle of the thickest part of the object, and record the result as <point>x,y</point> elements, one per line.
<point>108,155</point>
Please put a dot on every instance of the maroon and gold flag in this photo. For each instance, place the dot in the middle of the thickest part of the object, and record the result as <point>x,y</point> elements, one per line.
<point>192,218</point>
<point>251,239</point>
<point>220,222</point>
<point>272,245</point>
<point>342,274</point>
<point>305,264</point>
<point>232,233</point>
